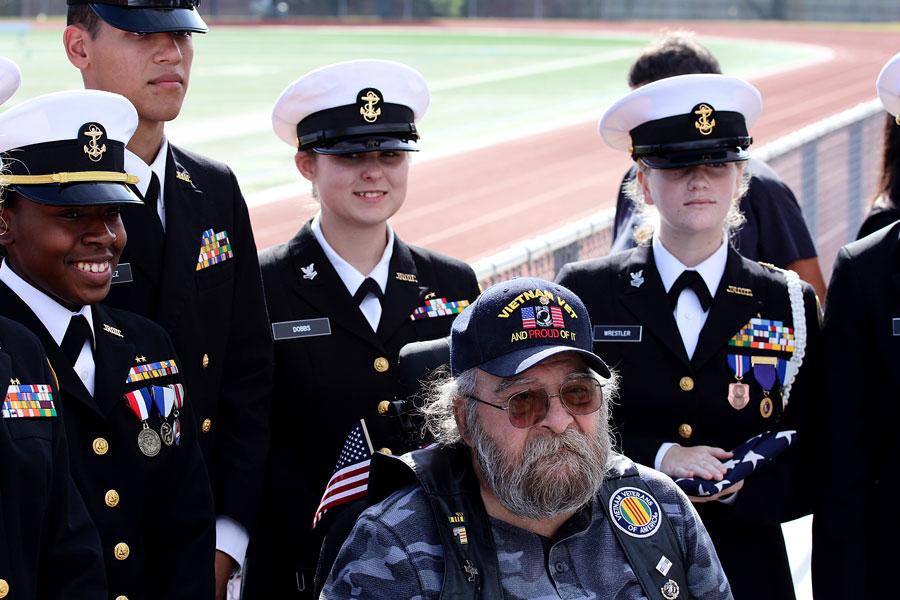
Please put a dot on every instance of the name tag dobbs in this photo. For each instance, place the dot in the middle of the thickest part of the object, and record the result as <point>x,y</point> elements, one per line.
<point>618,333</point>
<point>288,330</point>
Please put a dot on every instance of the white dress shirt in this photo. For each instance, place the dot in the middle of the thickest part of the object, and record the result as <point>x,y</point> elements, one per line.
<point>55,318</point>
<point>136,166</point>
<point>689,314</point>
<point>371,305</point>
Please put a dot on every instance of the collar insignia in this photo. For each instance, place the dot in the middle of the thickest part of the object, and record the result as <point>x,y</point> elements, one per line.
<point>637,278</point>
<point>309,272</point>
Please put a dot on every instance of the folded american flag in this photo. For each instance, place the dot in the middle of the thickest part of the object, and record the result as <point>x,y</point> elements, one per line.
<point>748,457</point>
<point>351,473</point>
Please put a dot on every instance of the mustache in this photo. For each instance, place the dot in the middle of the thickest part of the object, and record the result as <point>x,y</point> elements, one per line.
<point>554,473</point>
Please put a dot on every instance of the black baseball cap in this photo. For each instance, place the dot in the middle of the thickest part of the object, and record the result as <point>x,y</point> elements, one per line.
<point>517,324</point>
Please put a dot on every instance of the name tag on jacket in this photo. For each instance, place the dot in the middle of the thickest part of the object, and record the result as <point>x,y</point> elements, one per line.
<point>618,333</point>
<point>288,330</point>
<point>122,274</point>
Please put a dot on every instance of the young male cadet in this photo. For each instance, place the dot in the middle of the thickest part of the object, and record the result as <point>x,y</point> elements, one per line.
<point>132,434</point>
<point>524,497</point>
<point>191,263</point>
<point>51,549</point>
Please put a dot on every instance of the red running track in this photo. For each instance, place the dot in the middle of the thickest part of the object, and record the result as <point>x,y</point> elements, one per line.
<point>478,203</point>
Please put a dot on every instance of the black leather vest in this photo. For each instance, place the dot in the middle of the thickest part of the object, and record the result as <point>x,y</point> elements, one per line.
<point>471,570</point>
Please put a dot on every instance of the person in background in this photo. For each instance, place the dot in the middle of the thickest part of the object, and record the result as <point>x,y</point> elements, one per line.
<point>344,296</point>
<point>774,230</point>
<point>850,558</point>
<point>714,350</point>
<point>885,208</point>
<point>191,264</point>
<point>51,550</point>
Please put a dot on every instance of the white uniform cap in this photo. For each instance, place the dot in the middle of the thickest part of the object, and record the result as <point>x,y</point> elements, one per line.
<point>687,113</point>
<point>10,79</point>
<point>354,106</point>
<point>888,85</point>
<point>73,137</point>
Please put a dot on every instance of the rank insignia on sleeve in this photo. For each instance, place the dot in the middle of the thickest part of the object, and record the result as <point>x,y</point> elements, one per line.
<point>438,307</point>
<point>145,371</point>
<point>214,248</point>
<point>24,401</point>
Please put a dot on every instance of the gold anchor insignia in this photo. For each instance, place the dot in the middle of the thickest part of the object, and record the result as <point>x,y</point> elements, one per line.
<point>368,111</point>
<point>94,150</point>
<point>704,125</point>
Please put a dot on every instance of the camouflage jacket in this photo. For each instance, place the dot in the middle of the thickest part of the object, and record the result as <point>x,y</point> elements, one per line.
<point>394,551</point>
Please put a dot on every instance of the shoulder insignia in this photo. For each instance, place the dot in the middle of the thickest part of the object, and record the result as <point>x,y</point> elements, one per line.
<point>113,330</point>
<point>184,176</point>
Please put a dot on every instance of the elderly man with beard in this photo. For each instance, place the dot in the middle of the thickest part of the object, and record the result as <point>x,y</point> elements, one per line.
<point>523,496</point>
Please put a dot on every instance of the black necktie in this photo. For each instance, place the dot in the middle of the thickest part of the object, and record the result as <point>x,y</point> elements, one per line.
<point>692,280</point>
<point>151,200</point>
<point>77,334</point>
<point>368,286</point>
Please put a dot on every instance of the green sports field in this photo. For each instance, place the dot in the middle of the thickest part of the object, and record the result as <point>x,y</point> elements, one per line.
<point>487,85</point>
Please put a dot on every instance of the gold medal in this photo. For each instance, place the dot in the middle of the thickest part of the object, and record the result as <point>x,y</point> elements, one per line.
<point>738,395</point>
<point>148,441</point>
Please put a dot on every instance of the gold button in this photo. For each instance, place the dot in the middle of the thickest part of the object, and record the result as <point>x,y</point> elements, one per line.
<point>383,407</point>
<point>385,451</point>
<point>686,384</point>
<point>101,446</point>
<point>685,430</point>
<point>4,588</point>
<point>121,551</point>
<point>381,364</point>
<point>121,597</point>
<point>112,498</point>
<point>205,362</point>
<point>206,426</point>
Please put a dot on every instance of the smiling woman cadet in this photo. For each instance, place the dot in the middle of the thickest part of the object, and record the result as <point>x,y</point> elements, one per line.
<point>132,438</point>
<point>344,296</point>
<point>708,343</point>
<point>51,549</point>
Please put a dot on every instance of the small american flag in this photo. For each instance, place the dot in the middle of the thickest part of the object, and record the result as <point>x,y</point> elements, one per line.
<point>528,317</point>
<point>556,314</point>
<point>351,473</point>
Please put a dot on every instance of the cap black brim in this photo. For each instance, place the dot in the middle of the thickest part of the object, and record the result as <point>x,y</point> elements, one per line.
<point>79,194</point>
<point>367,144</point>
<point>679,160</point>
<point>519,361</point>
<point>151,20</point>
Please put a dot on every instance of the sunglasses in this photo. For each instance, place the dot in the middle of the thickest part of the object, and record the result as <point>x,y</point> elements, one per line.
<point>529,407</point>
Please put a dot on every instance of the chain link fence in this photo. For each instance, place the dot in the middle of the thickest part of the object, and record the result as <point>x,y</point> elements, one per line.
<point>832,166</point>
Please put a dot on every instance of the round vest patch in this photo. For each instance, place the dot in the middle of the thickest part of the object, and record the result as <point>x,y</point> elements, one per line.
<point>635,512</point>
